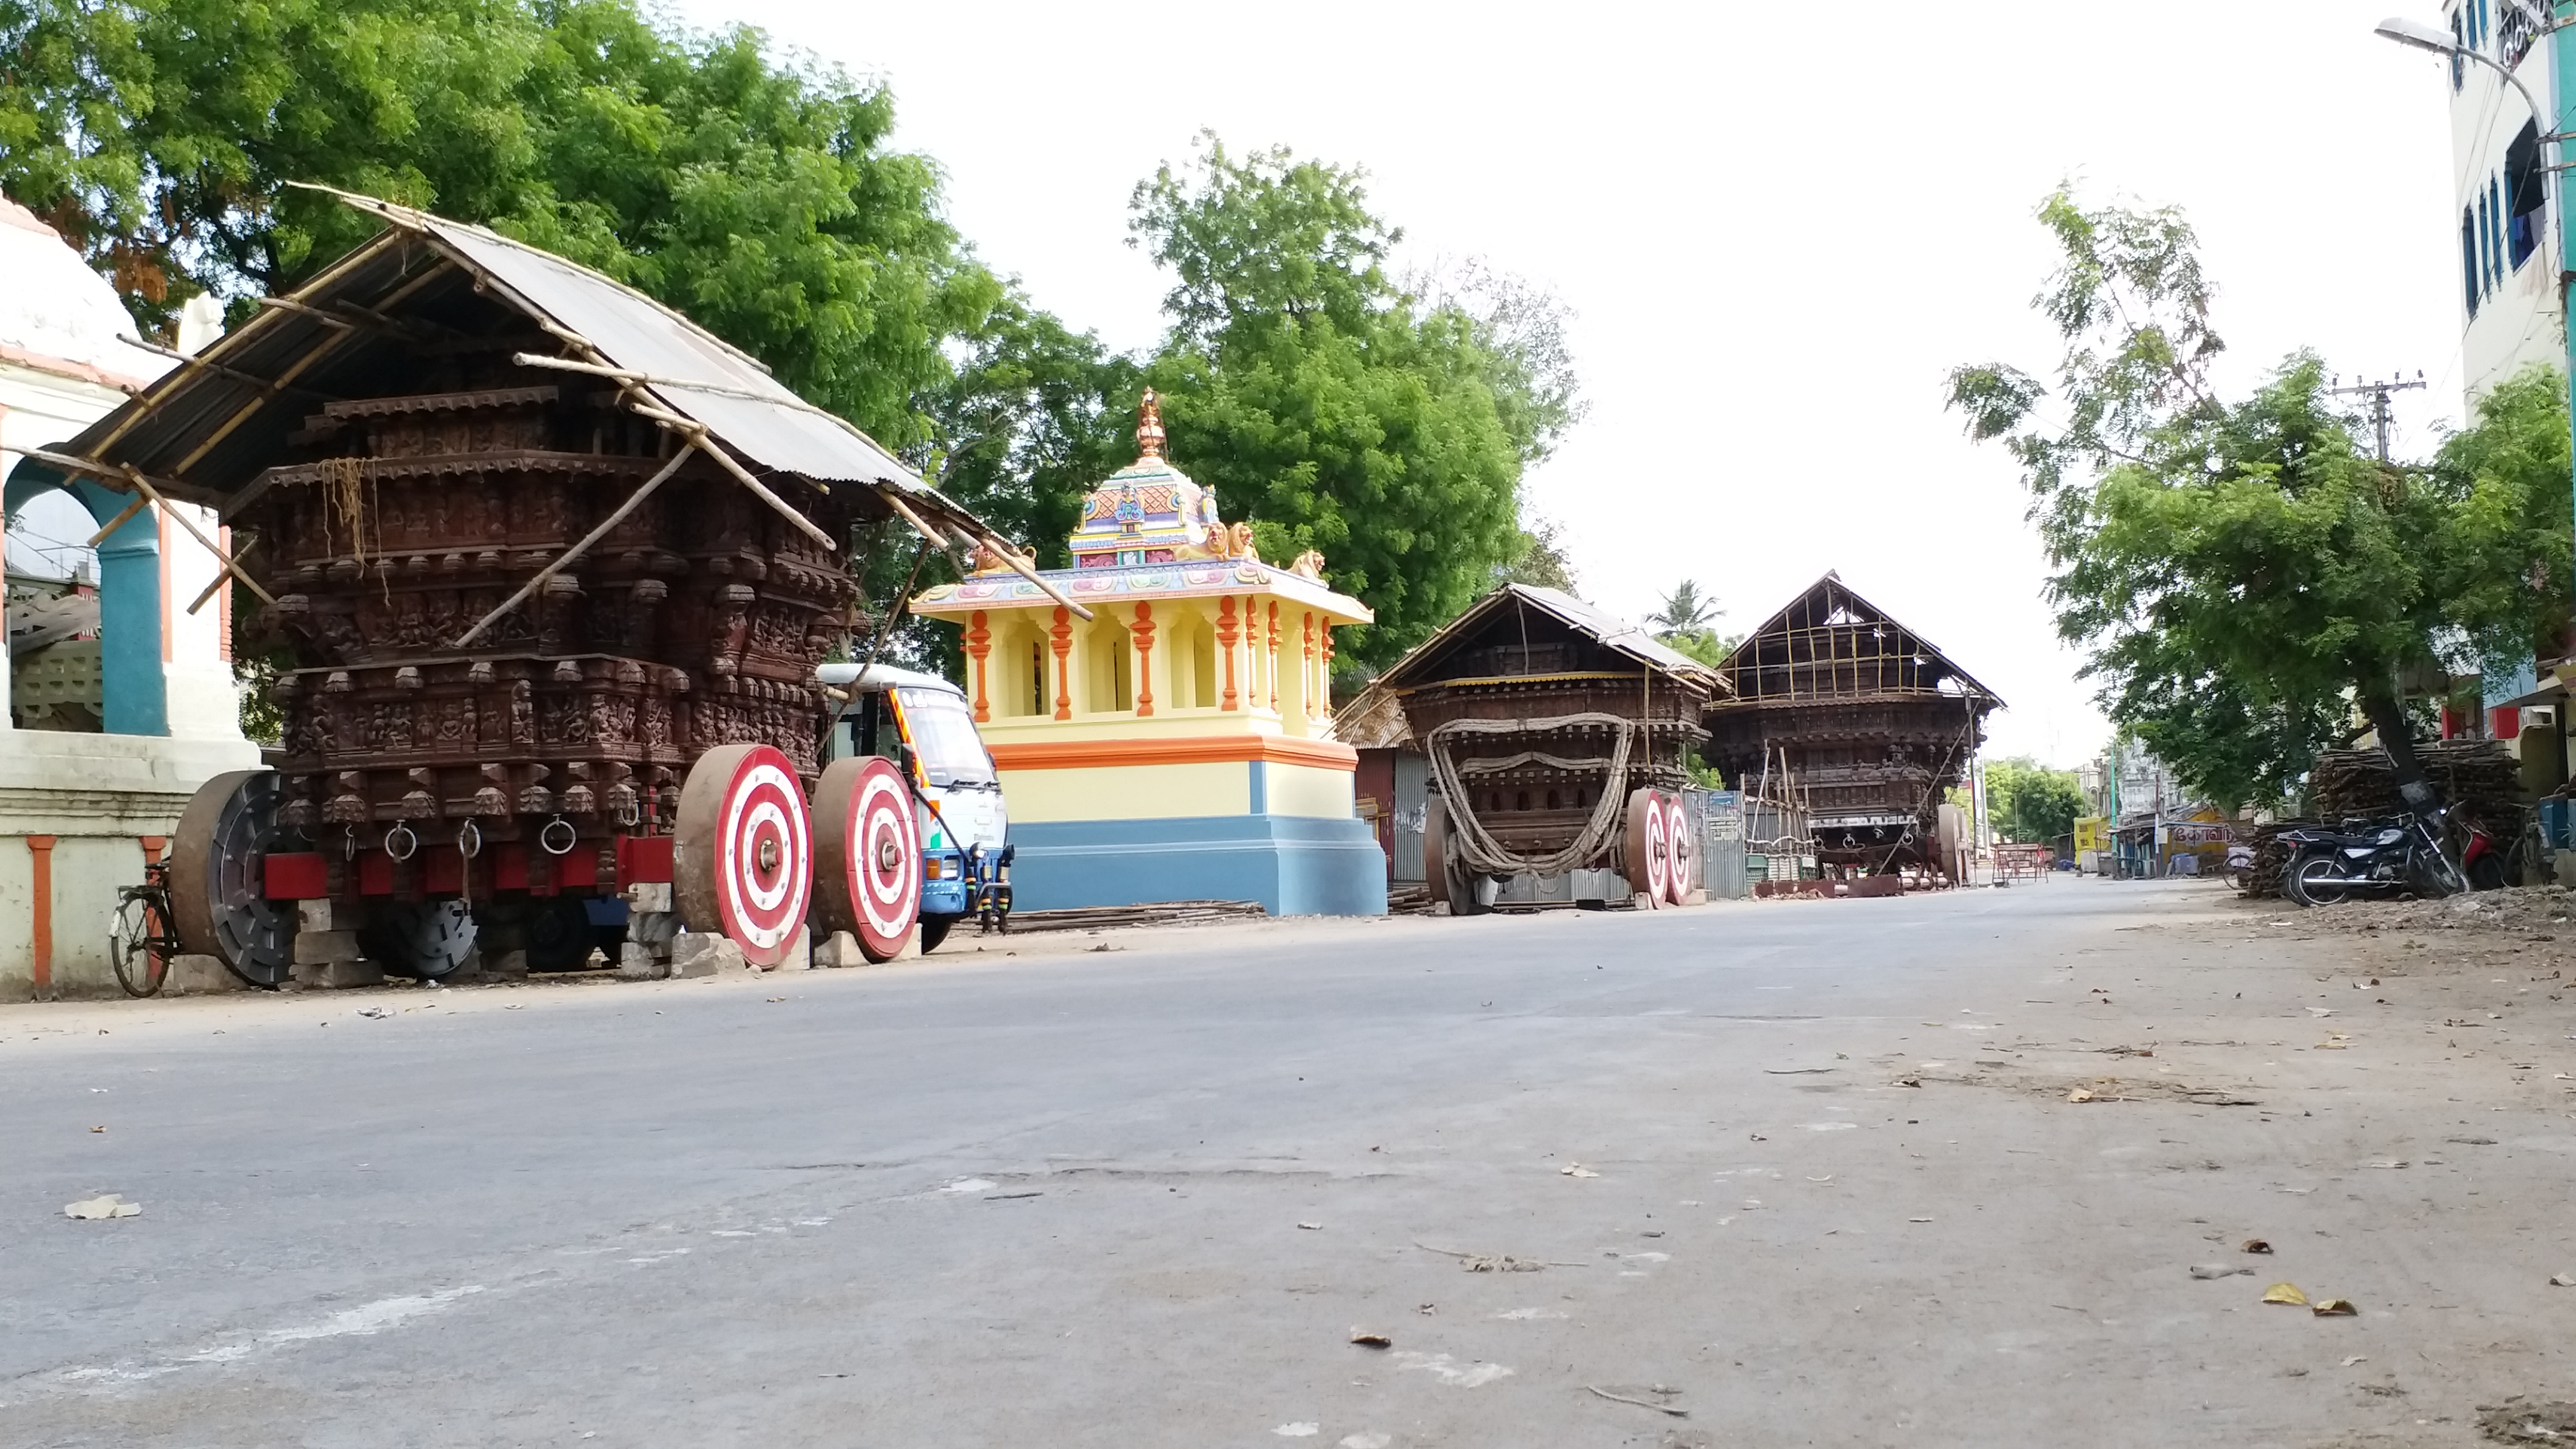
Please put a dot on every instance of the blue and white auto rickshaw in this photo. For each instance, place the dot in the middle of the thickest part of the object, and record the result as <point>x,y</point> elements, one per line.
<point>923,724</point>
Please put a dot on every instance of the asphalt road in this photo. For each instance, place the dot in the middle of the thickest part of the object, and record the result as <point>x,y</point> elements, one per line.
<point>1145,1196</point>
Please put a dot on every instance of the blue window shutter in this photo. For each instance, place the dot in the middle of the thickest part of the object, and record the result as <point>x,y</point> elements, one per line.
<point>2469,257</point>
<point>2495,208</point>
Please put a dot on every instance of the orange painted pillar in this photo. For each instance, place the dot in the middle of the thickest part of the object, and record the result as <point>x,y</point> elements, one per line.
<point>1274,658</point>
<point>40,849</point>
<point>1062,635</point>
<point>1306,665</point>
<point>1144,632</point>
<point>1226,634</point>
<point>979,642</point>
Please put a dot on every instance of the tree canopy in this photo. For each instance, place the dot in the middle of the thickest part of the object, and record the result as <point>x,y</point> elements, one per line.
<point>1329,406</point>
<point>1687,619</point>
<point>2028,803</point>
<point>2243,573</point>
<point>1386,424</point>
<point>760,198</point>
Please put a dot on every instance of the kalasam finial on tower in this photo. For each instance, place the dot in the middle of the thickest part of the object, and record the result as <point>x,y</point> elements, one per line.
<point>1149,427</point>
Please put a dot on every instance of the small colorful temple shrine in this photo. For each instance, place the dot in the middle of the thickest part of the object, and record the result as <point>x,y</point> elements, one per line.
<point>1179,745</point>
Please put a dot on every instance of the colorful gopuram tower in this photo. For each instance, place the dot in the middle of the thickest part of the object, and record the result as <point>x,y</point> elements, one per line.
<point>1179,745</point>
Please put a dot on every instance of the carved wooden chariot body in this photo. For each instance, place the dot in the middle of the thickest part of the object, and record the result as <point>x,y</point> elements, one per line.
<point>531,549</point>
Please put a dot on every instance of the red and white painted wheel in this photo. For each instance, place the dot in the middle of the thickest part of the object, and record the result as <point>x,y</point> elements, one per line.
<point>870,855</point>
<point>1677,850</point>
<point>1649,857</point>
<point>744,858</point>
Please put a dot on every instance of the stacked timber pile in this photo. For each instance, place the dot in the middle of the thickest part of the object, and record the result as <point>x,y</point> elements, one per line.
<point>2271,858</point>
<point>1159,913</point>
<point>2479,773</point>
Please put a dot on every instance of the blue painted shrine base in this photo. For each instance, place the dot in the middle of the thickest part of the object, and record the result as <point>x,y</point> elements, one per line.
<point>1295,865</point>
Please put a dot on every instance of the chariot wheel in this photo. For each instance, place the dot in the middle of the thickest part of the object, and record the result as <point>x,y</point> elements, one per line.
<point>868,849</point>
<point>425,940</point>
<point>1949,835</point>
<point>743,861</point>
<point>218,878</point>
<point>559,934</point>
<point>1678,853</point>
<point>1649,853</point>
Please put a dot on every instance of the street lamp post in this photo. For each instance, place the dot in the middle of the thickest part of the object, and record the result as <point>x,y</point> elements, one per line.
<point>2553,133</point>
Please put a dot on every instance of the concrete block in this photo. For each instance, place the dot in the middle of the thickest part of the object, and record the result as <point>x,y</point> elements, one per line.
<point>330,915</point>
<point>839,949</point>
<point>695,953</point>
<point>336,975</point>
<point>639,963</point>
<point>800,954</point>
<point>654,929</point>
<point>649,896</point>
<point>322,948</point>
<point>200,976</point>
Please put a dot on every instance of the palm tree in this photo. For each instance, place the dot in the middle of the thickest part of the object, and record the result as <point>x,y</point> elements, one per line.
<point>1685,610</point>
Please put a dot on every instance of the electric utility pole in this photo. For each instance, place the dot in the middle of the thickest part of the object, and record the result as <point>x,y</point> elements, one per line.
<point>2378,393</point>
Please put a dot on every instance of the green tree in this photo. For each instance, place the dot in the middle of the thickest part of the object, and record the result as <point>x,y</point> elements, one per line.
<point>1684,608</point>
<point>757,196</point>
<point>2029,804</point>
<point>2237,571</point>
<point>1541,560</point>
<point>1686,621</point>
<point>1327,405</point>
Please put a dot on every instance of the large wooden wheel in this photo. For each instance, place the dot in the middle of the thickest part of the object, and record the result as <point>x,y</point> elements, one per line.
<point>219,877</point>
<point>1649,851</point>
<point>1678,850</point>
<point>743,862</point>
<point>868,854</point>
<point>1949,836</point>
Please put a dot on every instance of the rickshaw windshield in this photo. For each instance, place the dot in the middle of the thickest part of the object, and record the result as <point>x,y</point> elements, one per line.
<point>944,734</point>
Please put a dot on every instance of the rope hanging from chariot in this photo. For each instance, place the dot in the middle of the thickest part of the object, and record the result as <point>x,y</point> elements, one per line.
<point>1476,844</point>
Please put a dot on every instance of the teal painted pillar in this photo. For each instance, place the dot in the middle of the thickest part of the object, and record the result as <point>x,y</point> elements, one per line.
<point>2562,105</point>
<point>129,617</point>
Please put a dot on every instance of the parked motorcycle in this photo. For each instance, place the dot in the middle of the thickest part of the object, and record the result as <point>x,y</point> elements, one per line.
<point>2482,858</point>
<point>2380,859</point>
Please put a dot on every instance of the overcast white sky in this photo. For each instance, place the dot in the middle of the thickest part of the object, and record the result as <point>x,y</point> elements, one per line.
<point>1778,225</point>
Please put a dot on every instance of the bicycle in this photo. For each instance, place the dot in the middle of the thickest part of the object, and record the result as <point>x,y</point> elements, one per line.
<point>140,937</point>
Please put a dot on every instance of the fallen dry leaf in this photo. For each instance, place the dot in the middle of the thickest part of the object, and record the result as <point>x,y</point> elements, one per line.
<point>1366,1339</point>
<point>2254,1245</point>
<point>2334,1308</point>
<point>2285,1293</point>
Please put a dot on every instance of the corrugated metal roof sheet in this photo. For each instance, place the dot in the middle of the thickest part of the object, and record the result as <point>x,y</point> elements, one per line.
<point>1613,631</point>
<point>772,427</point>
